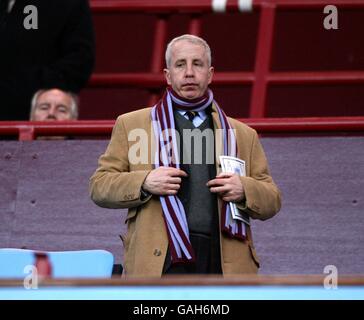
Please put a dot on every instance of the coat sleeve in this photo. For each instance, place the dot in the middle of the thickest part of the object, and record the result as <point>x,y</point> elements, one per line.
<point>112,185</point>
<point>262,196</point>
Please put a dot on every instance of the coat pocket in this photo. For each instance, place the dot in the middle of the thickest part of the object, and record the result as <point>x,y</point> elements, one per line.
<point>125,238</point>
<point>131,214</point>
<point>254,255</point>
<point>130,220</point>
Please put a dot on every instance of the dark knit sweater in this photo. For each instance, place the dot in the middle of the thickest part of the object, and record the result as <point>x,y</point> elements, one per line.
<point>199,203</point>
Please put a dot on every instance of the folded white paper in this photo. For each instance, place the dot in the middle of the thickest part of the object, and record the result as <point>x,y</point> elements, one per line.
<point>235,165</point>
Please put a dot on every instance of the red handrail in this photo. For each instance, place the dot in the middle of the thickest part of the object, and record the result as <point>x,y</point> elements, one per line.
<point>311,77</point>
<point>30,130</point>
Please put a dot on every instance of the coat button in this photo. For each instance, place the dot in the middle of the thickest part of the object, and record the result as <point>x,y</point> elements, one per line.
<point>157,252</point>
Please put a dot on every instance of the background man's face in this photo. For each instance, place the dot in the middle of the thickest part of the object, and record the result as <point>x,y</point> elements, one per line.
<point>189,73</point>
<point>53,105</point>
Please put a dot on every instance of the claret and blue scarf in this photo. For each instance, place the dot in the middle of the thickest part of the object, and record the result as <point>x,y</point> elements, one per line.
<point>173,211</point>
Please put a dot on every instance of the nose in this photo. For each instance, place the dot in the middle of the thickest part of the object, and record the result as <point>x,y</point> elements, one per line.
<point>52,113</point>
<point>189,71</point>
<point>51,117</point>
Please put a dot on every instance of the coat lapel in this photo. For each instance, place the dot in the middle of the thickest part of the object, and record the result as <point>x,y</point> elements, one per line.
<point>218,138</point>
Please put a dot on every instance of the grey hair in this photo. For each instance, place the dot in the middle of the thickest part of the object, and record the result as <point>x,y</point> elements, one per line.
<point>191,38</point>
<point>74,102</point>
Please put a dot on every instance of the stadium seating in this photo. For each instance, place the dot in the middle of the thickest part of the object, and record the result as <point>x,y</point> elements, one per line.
<point>273,58</point>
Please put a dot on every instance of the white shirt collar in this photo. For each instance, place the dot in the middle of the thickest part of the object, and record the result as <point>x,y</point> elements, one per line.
<point>201,114</point>
<point>197,121</point>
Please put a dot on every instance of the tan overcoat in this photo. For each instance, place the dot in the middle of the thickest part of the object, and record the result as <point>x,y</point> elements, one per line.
<point>117,184</point>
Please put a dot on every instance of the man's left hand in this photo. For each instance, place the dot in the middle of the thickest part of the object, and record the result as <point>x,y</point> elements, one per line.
<point>228,186</point>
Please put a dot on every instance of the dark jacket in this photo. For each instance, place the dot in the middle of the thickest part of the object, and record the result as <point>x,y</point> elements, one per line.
<point>59,54</point>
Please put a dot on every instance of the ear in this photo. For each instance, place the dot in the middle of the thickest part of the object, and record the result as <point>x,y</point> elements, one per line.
<point>211,74</point>
<point>167,75</point>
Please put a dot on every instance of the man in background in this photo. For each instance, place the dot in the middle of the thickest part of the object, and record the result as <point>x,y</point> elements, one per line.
<point>44,44</point>
<point>54,105</point>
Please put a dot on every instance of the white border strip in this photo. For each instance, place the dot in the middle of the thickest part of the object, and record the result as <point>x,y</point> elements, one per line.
<point>245,5</point>
<point>219,5</point>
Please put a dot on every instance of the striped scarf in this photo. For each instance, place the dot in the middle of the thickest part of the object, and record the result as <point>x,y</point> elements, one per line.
<point>173,211</point>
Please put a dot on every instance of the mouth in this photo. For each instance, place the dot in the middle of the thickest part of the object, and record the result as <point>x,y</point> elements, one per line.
<point>190,85</point>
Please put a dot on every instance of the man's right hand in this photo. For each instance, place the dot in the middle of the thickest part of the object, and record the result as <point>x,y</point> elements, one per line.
<point>164,181</point>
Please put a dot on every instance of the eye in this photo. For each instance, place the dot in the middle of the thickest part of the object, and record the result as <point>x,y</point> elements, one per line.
<point>62,109</point>
<point>43,107</point>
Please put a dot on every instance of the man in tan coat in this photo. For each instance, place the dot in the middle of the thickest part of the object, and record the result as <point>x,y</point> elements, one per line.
<point>180,218</point>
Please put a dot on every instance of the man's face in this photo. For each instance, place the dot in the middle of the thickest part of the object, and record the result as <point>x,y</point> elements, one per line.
<point>53,105</point>
<point>189,73</point>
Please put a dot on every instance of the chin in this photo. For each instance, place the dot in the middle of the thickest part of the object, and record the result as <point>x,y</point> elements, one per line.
<point>191,95</point>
